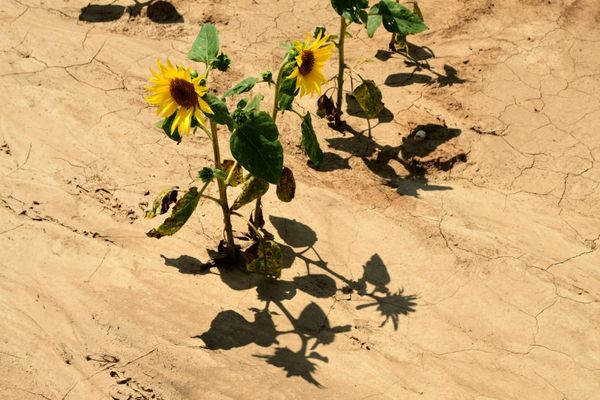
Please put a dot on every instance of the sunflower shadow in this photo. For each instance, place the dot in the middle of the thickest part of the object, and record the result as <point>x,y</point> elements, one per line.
<point>413,154</point>
<point>158,11</point>
<point>312,327</point>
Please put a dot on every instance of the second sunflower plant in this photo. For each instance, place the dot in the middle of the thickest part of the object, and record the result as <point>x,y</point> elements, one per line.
<point>186,105</point>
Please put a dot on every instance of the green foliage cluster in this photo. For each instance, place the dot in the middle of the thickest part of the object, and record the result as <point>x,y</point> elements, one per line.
<point>258,156</point>
<point>396,19</point>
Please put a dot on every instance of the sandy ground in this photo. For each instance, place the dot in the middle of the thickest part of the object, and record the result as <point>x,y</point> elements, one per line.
<point>463,267</point>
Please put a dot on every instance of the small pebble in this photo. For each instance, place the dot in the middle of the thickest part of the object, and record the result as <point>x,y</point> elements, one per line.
<point>420,136</point>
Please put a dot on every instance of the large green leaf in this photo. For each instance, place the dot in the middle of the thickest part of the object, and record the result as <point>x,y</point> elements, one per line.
<point>255,145</point>
<point>399,19</point>
<point>206,46</point>
<point>310,143</point>
<point>287,88</point>
<point>220,112</point>
<point>242,87</point>
<point>181,213</point>
<point>352,10</point>
<point>368,96</point>
<point>264,257</point>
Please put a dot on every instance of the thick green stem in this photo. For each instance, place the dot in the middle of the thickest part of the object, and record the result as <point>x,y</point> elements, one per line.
<point>340,78</point>
<point>231,250</point>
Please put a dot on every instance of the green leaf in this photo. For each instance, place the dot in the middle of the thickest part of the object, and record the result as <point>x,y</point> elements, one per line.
<point>220,112</point>
<point>399,19</point>
<point>287,88</point>
<point>166,124</point>
<point>242,87</point>
<point>253,189</point>
<point>374,21</point>
<point>206,46</point>
<point>179,216</point>
<point>286,190</point>
<point>254,103</point>
<point>350,9</point>
<point>368,96</point>
<point>310,143</point>
<point>255,145</point>
<point>264,257</point>
<point>162,202</point>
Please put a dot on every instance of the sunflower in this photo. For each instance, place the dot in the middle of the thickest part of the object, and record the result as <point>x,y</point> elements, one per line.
<point>309,64</point>
<point>175,92</point>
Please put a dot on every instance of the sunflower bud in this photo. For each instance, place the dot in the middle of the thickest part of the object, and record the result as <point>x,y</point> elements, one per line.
<point>206,174</point>
<point>267,76</point>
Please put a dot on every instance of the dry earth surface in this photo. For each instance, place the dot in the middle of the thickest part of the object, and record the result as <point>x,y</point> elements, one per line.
<point>462,267</point>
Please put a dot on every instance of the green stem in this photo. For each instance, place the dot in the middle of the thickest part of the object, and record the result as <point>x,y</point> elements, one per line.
<point>340,82</point>
<point>231,250</point>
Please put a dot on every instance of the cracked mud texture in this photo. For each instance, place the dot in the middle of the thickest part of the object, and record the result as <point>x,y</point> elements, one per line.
<point>484,272</point>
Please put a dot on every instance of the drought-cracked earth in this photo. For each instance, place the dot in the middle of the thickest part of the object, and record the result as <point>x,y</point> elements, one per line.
<point>465,266</point>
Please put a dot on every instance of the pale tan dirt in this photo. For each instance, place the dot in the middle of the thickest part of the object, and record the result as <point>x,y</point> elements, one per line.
<point>486,266</point>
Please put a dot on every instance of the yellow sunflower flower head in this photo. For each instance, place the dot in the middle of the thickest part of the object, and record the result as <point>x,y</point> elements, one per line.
<point>310,62</point>
<point>174,91</point>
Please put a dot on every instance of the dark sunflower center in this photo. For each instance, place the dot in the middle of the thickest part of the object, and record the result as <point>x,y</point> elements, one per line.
<point>308,62</point>
<point>183,93</point>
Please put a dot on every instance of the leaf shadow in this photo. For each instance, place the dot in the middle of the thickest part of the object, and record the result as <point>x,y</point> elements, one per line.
<point>412,154</point>
<point>158,11</point>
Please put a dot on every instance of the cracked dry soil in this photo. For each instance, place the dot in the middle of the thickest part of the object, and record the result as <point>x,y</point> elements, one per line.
<point>465,269</point>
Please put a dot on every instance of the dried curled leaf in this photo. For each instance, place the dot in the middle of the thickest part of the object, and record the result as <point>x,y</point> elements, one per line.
<point>179,216</point>
<point>326,107</point>
<point>368,96</point>
<point>162,202</point>
<point>237,175</point>
<point>253,189</point>
<point>264,257</point>
<point>286,190</point>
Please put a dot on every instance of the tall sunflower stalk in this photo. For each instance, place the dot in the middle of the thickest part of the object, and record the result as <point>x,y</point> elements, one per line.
<point>306,61</point>
<point>180,96</point>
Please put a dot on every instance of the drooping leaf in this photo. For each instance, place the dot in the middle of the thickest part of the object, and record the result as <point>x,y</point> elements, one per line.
<point>181,213</point>
<point>287,88</point>
<point>255,145</point>
<point>166,124</point>
<point>326,107</point>
<point>286,190</point>
<point>206,46</point>
<point>368,96</point>
<point>162,202</point>
<point>234,171</point>
<point>242,87</point>
<point>264,257</point>
<point>399,19</point>
<point>253,189</point>
<point>220,112</point>
<point>309,142</point>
